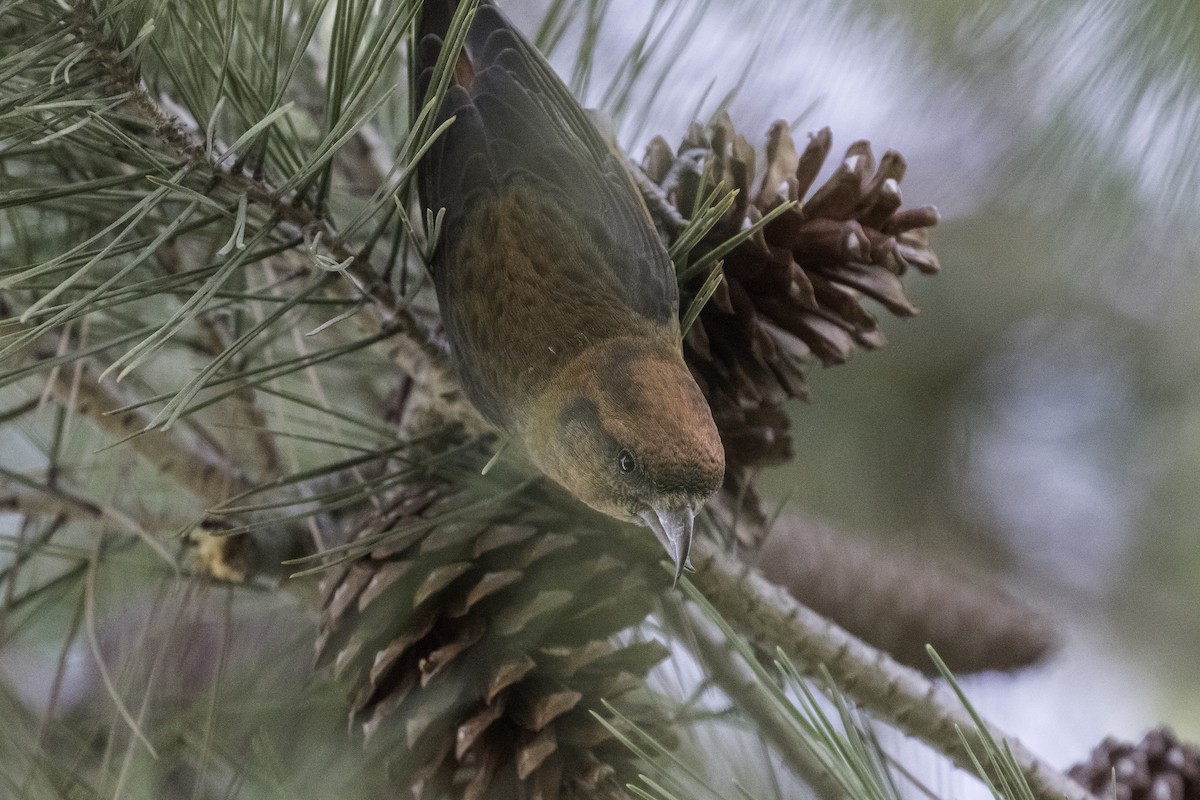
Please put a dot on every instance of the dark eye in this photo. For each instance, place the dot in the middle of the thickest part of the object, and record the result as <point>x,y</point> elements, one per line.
<point>625,461</point>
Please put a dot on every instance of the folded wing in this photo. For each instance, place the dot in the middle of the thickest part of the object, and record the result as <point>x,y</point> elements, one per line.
<point>514,119</point>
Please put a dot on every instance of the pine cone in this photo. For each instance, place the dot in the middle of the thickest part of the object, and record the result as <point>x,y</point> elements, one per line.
<point>1159,767</point>
<point>901,603</point>
<point>477,647</point>
<point>793,293</point>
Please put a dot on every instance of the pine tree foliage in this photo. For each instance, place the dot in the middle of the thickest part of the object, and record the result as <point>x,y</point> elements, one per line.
<point>212,279</point>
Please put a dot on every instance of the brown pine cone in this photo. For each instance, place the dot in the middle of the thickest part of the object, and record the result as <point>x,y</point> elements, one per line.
<point>793,293</point>
<point>478,635</point>
<point>901,603</point>
<point>1159,767</point>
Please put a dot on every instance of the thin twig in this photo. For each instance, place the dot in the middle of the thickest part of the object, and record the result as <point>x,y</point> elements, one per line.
<point>49,502</point>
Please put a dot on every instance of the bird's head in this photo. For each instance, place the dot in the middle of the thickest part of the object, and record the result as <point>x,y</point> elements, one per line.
<point>624,428</point>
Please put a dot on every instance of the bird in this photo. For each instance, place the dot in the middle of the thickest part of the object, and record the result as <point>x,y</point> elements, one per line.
<point>557,295</point>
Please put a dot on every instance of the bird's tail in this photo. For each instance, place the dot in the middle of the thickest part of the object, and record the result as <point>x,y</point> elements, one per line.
<point>435,17</point>
<point>433,23</point>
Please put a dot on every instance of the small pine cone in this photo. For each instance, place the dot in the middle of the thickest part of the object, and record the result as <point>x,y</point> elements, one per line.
<point>793,293</point>
<point>902,604</point>
<point>1159,767</point>
<point>477,643</point>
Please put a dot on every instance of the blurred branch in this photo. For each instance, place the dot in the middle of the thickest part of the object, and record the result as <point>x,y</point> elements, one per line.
<point>39,500</point>
<point>769,617</point>
<point>49,501</point>
<point>187,460</point>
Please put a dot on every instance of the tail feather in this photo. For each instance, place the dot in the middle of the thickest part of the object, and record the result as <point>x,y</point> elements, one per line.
<point>432,26</point>
<point>435,19</point>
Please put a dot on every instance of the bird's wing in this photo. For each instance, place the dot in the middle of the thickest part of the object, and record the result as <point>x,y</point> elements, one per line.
<point>515,120</point>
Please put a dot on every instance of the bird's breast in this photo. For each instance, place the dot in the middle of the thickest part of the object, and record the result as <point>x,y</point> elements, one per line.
<point>527,284</point>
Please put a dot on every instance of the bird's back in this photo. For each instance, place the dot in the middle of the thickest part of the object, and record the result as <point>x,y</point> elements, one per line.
<point>546,246</point>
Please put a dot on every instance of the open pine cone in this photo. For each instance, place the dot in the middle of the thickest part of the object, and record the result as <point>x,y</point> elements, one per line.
<point>1159,767</point>
<point>792,294</point>
<point>478,645</point>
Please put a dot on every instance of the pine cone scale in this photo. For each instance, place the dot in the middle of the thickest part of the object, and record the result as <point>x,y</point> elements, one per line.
<point>793,292</point>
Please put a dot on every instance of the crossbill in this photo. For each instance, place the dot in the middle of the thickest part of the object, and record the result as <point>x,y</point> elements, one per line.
<point>558,297</point>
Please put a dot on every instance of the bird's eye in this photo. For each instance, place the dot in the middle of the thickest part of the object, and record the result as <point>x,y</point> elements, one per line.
<point>625,461</point>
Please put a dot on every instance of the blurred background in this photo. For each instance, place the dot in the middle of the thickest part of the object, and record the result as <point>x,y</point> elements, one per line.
<point>1041,417</point>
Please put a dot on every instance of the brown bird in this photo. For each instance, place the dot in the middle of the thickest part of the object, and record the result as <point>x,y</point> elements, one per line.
<point>558,297</point>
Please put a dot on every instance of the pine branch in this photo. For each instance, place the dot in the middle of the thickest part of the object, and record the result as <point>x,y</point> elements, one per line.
<point>54,502</point>
<point>49,502</point>
<point>769,617</point>
<point>420,356</point>
<point>729,672</point>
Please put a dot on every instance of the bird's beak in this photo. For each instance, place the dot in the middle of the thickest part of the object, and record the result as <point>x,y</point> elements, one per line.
<point>673,529</point>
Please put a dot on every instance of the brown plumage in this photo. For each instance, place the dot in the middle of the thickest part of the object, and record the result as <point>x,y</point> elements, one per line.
<point>558,297</point>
